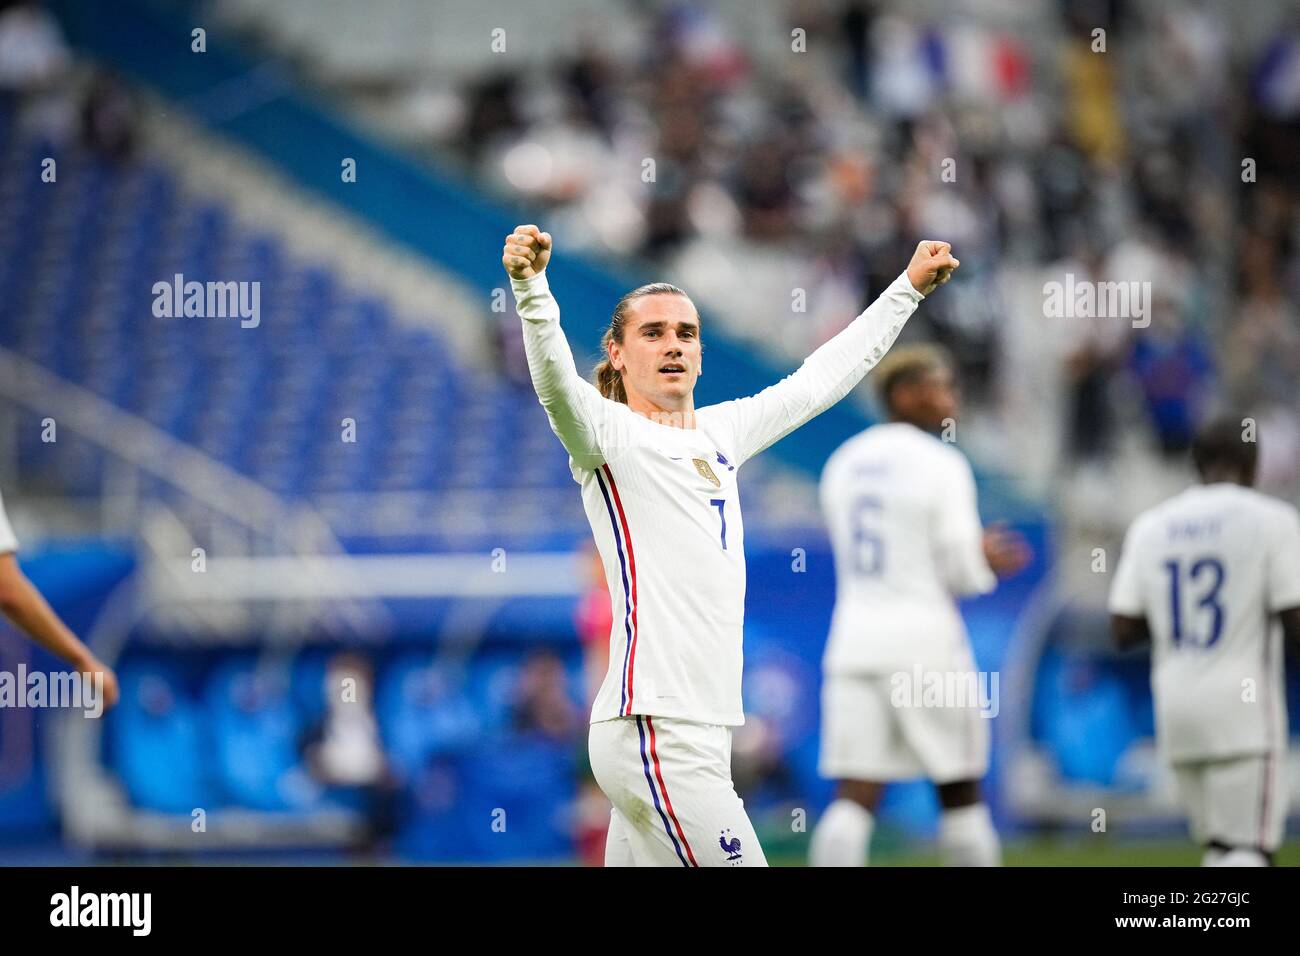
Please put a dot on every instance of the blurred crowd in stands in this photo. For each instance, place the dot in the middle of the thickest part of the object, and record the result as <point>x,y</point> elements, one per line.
<point>1039,149</point>
<point>783,183</point>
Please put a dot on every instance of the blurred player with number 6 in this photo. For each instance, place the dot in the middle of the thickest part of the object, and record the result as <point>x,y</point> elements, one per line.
<point>901,508</point>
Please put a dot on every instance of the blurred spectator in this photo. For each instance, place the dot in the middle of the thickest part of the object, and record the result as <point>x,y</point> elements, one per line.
<point>1174,368</point>
<point>108,119</point>
<point>1095,353</point>
<point>1279,451</point>
<point>33,54</point>
<point>343,751</point>
<point>36,68</point>
<point>542,704</point>
<point>593,621</point>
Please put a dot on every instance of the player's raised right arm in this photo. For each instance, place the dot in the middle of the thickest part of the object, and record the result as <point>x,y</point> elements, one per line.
<point>570,401</point>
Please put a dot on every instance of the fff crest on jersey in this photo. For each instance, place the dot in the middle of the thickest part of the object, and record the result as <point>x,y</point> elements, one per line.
<point>703,468</point>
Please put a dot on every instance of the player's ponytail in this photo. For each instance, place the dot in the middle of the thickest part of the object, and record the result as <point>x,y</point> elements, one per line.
<point>607,379</point>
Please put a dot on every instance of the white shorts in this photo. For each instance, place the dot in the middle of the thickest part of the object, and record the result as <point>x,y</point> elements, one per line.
<point>1240,802</point>
<point>865,736</point>
<point>674,802</point>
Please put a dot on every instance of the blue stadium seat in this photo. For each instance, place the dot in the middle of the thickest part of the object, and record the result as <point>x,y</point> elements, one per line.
<point>527,787</point>
<point>77,269</point>
<point>257,734</point>
<point>424,713</point>
<point>157,737</point>
<point>1082,714</point>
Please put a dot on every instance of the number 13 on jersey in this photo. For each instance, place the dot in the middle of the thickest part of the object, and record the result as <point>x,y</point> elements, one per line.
<point>1208,574</point>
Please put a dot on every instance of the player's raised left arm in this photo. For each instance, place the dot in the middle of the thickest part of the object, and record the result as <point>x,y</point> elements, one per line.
<point>839,364</point>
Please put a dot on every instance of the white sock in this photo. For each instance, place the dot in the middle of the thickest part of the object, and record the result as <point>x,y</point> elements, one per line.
<point>1238,858</point>
<point>1213,855</point>
<point>842,836</point>
<point>967,837</point>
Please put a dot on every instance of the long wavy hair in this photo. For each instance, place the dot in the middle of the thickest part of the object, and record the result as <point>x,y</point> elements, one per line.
<point>607,379</point>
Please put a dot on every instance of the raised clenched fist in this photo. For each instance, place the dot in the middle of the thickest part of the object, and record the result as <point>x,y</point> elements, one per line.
<point>931,266</point>
<point>527,251</point>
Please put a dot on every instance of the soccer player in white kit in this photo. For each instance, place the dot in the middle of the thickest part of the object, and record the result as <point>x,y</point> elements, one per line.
<point>900,507</point>
<point>658,481</point>
<point>24,606</point>
<point>1212,578</point>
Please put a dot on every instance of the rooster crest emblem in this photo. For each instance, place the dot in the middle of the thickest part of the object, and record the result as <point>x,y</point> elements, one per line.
<point>730,847</point>
<point>705,471</point>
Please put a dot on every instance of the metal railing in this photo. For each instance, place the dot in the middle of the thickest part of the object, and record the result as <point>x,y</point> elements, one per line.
<point>265,537</point>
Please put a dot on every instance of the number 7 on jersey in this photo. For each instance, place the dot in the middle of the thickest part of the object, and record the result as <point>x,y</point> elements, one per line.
<point>721,505</point>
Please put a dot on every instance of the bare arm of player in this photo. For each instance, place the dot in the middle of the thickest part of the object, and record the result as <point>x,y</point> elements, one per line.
<point>22,604</point>
<point>1283,579</point>
<point>1006,551</point>
<point>1128,616</point>
<point>956,530</point>
<point>1129,632</point>
<point>571,402</point>
<point>1291,630</point>
<point>839,364</point>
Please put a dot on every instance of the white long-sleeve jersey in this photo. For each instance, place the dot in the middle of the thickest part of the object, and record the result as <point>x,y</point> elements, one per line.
<point>1210,569</point>
<point>665,511</point>
<point>901,511</point>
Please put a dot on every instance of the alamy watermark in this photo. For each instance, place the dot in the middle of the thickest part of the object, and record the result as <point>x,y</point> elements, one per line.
<point>37,689</point>
<point>133,911</point>
<point>208,300</point>
<point>946,688</point>
<point>1085,299</point>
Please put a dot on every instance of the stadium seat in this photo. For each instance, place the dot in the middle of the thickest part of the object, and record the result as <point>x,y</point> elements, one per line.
<point>158,742</point>
<point>257,735</point>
